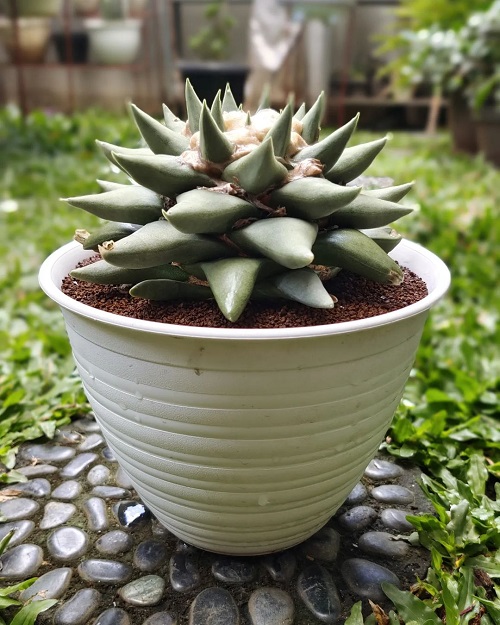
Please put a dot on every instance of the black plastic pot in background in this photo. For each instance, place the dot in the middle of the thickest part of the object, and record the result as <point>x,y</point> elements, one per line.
<point>78,44</point>
<point>208,77</point>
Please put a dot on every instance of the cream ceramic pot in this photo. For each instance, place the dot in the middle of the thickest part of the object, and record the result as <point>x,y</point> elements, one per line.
<point>113,42</point>
<point>244,441</point>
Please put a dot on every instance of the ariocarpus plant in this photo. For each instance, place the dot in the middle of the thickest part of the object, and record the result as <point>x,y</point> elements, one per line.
<point>251,206</point>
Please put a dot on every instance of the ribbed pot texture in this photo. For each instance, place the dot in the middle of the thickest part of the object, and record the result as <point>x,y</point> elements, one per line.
<point>244,441</point>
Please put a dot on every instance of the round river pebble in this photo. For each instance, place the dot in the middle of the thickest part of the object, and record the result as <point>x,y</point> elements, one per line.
<point>271,606</point>
<point>392,493</point>
<point>52,585</point>
<point>67,544</point>
<point>145,591</point>
<point>105,571</point>
<point>21,562</point>
<point>80,526</point>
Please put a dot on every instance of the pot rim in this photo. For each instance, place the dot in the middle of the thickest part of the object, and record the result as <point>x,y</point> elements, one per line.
<point>72,253</point>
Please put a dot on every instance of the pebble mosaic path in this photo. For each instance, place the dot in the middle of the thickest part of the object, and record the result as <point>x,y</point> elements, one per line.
<point>81,528</point>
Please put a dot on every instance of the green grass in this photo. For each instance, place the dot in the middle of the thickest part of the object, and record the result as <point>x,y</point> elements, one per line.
<point>448,420</point>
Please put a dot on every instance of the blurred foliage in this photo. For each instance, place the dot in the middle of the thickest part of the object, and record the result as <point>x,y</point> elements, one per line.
<point>448,45</point>
<point>212,41</point>
<point>442,13</point>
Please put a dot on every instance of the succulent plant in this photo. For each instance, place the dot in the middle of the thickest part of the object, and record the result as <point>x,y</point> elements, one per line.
<point>232,206</point>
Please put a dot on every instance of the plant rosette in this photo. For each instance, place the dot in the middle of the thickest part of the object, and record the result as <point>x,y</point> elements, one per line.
<point>241,440</point>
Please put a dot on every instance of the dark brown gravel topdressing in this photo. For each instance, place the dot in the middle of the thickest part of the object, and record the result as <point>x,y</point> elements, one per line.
<point>358,298</point>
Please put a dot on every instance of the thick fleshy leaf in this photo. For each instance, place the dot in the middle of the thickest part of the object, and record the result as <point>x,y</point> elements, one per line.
<point>391,194</point>
<point>356,615</point>
<point>386,237</point>
<point>109,149</point>
<point>110,185</point>
<point>311,121</point>
<point>101,272</point>
<point>265,97</point>
<point>312,198</point>
<point>228,102</point>
<point>193,107</point>
<point>232,281</point>
<point>352,250</point>
<point>205,211</point>
<point>172,121</point>
<point>280,132</point>
<point>216,110</point>
<point>215,147</point>
<point>159,138</point>
<point>366,211</point>
<point>132,204</point>
<point>299,285</point>
<point>329,149</point>
<point>162,173</point>
<point>286,240</point>
<point>354,161</point>
<point>300,112</point>
<point>111,231</point>
<point>165,290</point>
<point>159,243</point>
<point>257,171</point>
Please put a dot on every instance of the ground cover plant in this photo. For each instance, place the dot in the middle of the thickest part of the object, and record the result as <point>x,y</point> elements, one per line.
<point>448,419</point>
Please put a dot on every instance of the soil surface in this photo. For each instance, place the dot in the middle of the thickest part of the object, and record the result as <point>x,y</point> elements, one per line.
<point>358,298</point>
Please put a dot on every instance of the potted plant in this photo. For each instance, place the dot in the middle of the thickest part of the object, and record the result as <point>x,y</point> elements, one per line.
<point>26,39</point>
<point>241,411</point>
<point>212,70</point>
<point>114,37</point>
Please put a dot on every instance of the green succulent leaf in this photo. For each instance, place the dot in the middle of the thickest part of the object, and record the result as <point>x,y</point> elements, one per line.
<point>311,121</point>
<point>165,290</point>
<point>229,104</point>
<point>258,171</point>
<point>158,243</point>
<point>385,237</point>
<point>312,198</point>
<point>172,121</point>
<point>204,211</point>
<point>352,250</point>
<point>366,211</point>
<point>162,173</point>
<point>286,240</point>
<point>329,149</point>
<point>299,285</point>
<point>111,231</point>
<point>354,161</point>
<point>299,113</point>
<point>232,281</point>
<point>265,97</point>
<point>193,107</point>
<point>101,272</point>
<point>217,113</point>
<point>109,185</point>
<point>280,132</point>
<point>159,138</point>
<point>108,149</point>
<point>215,147</point>
<point>391,194</point>
<point>132,204</point>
